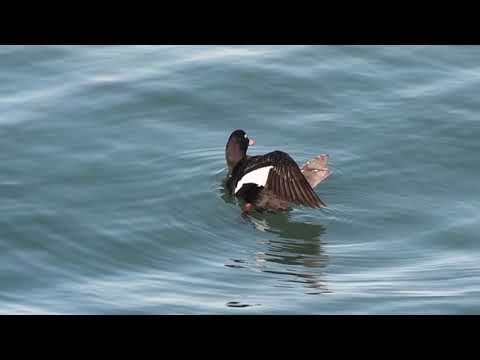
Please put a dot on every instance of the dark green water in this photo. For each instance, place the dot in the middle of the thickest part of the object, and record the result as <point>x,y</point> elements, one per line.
<point>112,160</point>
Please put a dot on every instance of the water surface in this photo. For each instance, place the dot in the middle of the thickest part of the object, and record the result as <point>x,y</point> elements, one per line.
<point>112,160</point>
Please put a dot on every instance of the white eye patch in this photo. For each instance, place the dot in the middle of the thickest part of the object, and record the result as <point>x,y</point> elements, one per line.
<point>245,136</point>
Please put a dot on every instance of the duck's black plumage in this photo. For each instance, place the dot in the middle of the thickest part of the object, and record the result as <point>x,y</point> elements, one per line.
<point>280,180</point>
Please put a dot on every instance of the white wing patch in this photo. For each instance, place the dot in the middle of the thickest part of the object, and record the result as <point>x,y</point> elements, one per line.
<point>258,176</point>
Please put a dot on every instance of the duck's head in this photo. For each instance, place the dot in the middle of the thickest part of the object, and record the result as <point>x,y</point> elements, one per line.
<point>237,147</point>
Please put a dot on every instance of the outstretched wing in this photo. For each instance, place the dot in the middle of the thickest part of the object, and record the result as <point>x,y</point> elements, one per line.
<point>316,170</point>
<point>285,178</point>
<point>278,173</point>
<point>287,181</point>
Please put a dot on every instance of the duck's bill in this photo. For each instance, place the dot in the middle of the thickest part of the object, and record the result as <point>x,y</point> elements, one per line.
<point>251,142</point>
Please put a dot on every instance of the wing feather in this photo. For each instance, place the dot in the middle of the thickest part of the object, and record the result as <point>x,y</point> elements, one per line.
<point>285,179</point>
<point>288,183</point>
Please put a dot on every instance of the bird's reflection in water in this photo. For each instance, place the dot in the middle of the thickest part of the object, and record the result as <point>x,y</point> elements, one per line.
<point>295,253</point>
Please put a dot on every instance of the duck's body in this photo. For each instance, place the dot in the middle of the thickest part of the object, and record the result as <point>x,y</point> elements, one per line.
<point>272,181</point>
